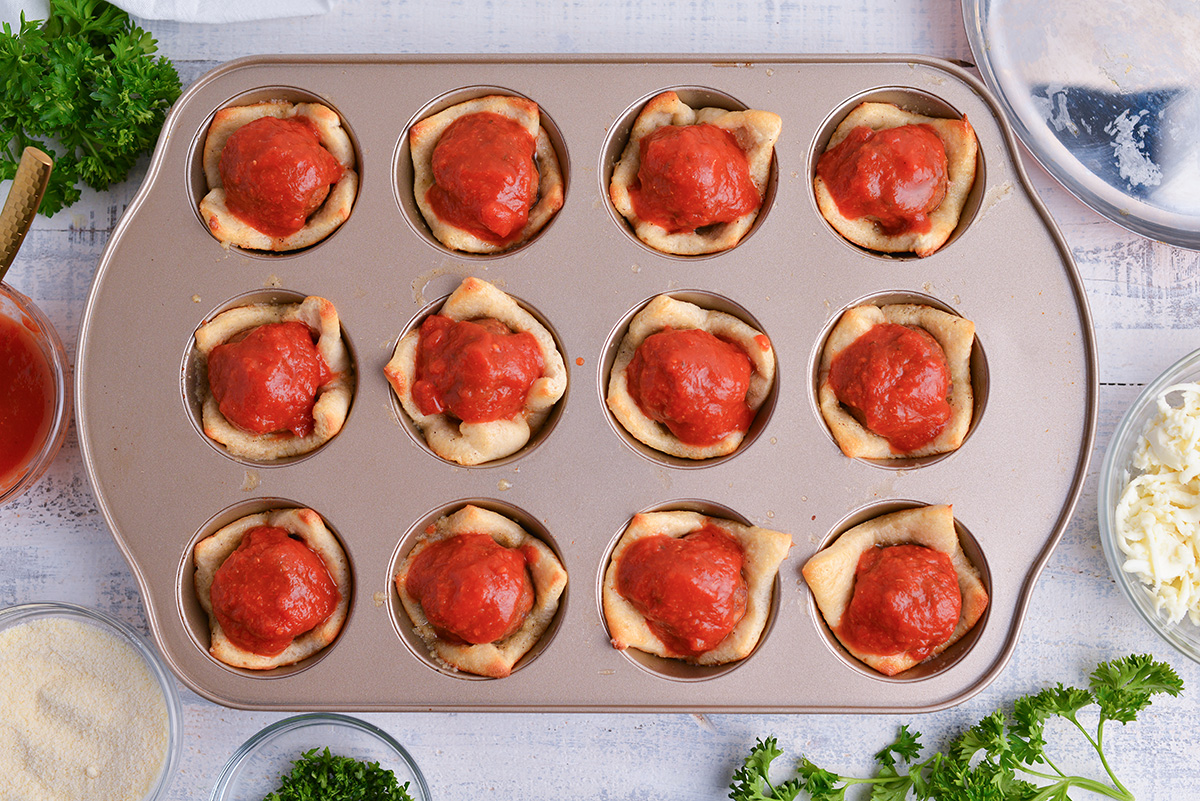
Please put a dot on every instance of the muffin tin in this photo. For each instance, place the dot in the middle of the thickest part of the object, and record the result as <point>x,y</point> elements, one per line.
<point>162,485</point>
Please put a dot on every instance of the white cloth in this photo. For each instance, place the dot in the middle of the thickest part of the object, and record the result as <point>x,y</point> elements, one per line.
<point>10,11</point>
<point>223,10</point>
<point>181,10</point>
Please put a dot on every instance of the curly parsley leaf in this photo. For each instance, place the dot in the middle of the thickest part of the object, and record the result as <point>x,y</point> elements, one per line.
<point>1000,757</point>
<point>1124,687</point>
<point>751,782</point>
<point>905,748</point>
<point>321,776</point>
<point>86,87</point>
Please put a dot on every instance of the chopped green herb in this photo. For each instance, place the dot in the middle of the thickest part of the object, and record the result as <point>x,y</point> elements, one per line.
<point>998,759</point>
<point>85,87</point>
<point>321,776</point>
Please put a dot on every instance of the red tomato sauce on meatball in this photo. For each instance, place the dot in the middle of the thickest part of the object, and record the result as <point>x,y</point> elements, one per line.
<point>485,178</point>
<point>270,590</point>
<point>906,600</point>
<point>276,174</point>
<point>471,588</point>
<point>268,380</point>
<point>475,370</point>
<point>690,589</point>
<point>898,379</point>
<point>693,383</point>
<point>896,176</point>
<point>691,176</point>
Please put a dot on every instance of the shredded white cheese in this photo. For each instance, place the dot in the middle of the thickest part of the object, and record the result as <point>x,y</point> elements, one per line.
<point>1158,514</point>
<point>81,716</point>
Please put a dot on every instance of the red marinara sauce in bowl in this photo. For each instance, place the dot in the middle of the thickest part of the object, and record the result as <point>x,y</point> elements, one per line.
<point>35,388</point>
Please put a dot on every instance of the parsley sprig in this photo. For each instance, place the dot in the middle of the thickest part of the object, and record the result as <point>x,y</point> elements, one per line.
<point>321,776</point>
<point>85,87</point>
<point>1001,758</point>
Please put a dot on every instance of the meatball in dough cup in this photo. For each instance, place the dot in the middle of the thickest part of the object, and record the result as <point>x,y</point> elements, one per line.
<point>830,573</point>
<point>664,311</point>
<point>423,138</point>
<point>212,551</point>
<point>764,550</point>
<point>955,334</point>
<point>333,397</point>
<point>230,230</point>
<point>476,443</point>
<point>756,133</point>
<point>549,578</point>
<point>957,136</point>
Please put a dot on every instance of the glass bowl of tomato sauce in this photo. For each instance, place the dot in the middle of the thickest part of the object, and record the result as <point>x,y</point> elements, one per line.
<point>35,397</point>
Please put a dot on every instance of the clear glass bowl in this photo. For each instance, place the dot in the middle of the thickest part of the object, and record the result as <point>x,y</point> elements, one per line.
<point>31,612</point>
<point>22,311</point>
<point>256,768</point>
<point>1115,473</point>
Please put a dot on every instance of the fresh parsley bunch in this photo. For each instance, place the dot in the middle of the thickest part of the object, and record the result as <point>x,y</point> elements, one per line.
<point>85,87</point>
<point>998,759</point>
<point>321,776</point>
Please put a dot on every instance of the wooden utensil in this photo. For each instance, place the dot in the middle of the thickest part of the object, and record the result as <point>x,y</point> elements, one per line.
<point>28,187</point>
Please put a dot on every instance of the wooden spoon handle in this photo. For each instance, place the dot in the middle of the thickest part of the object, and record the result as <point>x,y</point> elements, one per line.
<point>28,186</point>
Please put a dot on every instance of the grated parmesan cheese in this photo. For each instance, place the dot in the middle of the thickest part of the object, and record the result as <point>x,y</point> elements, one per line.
<point>81,715</point>
<point>1158,514</point>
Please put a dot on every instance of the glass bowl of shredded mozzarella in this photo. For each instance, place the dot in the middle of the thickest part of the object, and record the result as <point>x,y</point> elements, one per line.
<point>1149,505</point>
<point>89,711</point>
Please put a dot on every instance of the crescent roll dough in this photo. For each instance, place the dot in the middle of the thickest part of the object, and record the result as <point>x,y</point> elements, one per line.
<point>830,573</point>
<point>476,443</point>
<point>756,133</point>
<point>549,578</point>
<point>957,136</point>
<point>230,230</point>
<point>333,397</point>
<point>763,550</point>
<point>212,551</point>
<point>954,334</point>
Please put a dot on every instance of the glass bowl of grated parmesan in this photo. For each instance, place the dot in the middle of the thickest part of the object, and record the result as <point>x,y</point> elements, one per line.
<point>1149,505</point>
<point>89,711</point>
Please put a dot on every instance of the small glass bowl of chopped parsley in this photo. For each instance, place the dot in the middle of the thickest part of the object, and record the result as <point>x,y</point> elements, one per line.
<point>1149,505</point>
<point>321,757</point>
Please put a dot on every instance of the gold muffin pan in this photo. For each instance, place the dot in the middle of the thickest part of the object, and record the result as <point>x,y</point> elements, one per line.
<point>162,486</point>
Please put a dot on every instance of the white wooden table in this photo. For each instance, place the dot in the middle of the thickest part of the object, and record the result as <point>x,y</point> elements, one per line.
<point>1145,301</point>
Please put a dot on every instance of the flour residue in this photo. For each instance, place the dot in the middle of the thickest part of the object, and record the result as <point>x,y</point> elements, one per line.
<point>996,195</point>
<point>1128,132</point>
<point>439,281</point>
<point>250,481</point>
<point>1053,108</point>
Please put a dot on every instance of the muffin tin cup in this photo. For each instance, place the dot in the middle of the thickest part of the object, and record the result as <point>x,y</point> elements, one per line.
<point>1013,484</point>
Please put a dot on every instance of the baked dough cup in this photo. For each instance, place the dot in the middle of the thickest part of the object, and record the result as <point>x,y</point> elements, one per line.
<point>830,573</point>
<point>664,311</point>
<point>476,443</point>
<point>955,334</point>
<point>961,149</point>
<point>230,230</point>
<point>212,551</point>
<point>756,133</point>
<point>764,550</point>
<point>549,578</point>
<point>333,397</point>
<point>423,138</point>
